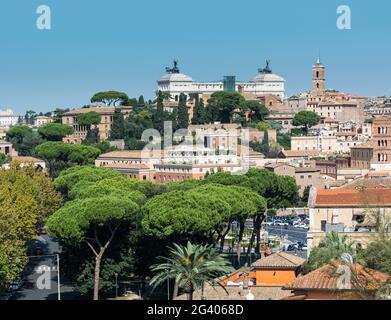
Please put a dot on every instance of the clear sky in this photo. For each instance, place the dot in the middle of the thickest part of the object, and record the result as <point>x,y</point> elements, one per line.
<point>124,45</point>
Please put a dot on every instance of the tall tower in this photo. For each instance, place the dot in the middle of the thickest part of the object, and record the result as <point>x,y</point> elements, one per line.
<point>318,78</point>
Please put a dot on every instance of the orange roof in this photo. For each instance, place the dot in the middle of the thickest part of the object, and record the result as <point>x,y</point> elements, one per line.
<point>279,260</point>
<point>326,278</point>
<point>353,198</point>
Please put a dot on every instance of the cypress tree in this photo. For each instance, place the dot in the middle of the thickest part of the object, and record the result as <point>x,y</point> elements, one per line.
<point>265,143</point>
<point>199,112</point>
<point>183,114</point>
<point>118,126</point>
<point>158,116</point>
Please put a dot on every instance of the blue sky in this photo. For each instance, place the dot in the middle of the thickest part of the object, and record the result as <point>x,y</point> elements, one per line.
<point>125,45</point>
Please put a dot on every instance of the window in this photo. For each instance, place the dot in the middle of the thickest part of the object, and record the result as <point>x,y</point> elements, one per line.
<point>323,225</point>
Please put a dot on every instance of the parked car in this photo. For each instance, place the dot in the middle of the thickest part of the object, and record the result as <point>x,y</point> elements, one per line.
<point>290,247</point>
<point>16,285</point>
<point>38,251</point>
<point>5,296</point>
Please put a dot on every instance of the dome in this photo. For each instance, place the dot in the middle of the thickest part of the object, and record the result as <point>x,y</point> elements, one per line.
<point>176,77</point>
<point>267,77</point>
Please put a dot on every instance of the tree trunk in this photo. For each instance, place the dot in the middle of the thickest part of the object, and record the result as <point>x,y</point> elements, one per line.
<point>99,255</point>
<point>176,289</point>
<point>223,235</point>
<point>239,248</point>
<point>190,297</point>
<point>98,260</point>
<point>251,242</point>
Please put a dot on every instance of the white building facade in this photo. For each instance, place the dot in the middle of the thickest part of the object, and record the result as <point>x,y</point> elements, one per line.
<point>264,83</point>
<point>8,118</point>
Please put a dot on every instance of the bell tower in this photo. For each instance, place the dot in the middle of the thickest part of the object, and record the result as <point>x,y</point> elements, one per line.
<point>318,78</point>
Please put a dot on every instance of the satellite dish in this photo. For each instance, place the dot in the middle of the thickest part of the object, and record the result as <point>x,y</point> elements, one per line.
<point>347,257</point>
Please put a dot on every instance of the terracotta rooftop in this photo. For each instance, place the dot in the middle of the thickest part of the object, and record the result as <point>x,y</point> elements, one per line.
<point>130,154</point>
<point>326,278</point>
<point>26,159</point>
<point>276,165</point>
<point>300,153</point>
<point>307,169</point>
<point>366,145</point>
<point>368,183</point>
<point>102,110</point>
<point>353,198</point>
<point>279,260</point>
<point>127,166</point>
<point>234,293</point>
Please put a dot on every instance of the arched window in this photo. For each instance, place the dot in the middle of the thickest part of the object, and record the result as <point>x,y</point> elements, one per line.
<point>378,143</point>
<point>317,74</point>
<point>378,130</point>
<point>317,85</point>
<point>378,157</point>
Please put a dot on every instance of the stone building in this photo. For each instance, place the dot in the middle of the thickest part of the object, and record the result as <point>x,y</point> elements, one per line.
<point>80,131</point>
<point>350,212</point>
<point>264,83</point>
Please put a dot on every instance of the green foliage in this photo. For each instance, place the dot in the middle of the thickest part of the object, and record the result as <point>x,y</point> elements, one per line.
<point>72,222</point>
<point>191,266</point>
<point>27,198</point>
<point>306,119</point>
<point>70,178</point>
<point>274,124</point>
<point>183,115</point>
<point>55,131</point>
<point>182,214</point>
<point>284,140</point>
<point>18,133</point>
<point>196,210</point>
<point>329,250</point>
<point>263,126</point>
<point>118,126</point>
<point>257,111</point>
<point>57,115</point>
<point>5,159</point>
<point>199,112</point>
<point>222,106</point>
<point>134,126</point>
<point>279,191</point>
<point>59,155</point>
<point>110,98</point>
<point>104,146</point>
<point>89,118</point>
<point>159,115</point>
<point>377,255</point>
<point>23,140</point>
<point>295,132</point>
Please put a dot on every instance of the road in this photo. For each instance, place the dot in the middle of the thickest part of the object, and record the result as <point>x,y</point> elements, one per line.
<point>40,284</point>
<point>293,234</point>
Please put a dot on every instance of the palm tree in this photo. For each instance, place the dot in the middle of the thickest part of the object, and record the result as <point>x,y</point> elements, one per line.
<point>334,241</point>
<point>191,266</point>
<point>329,250</point>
